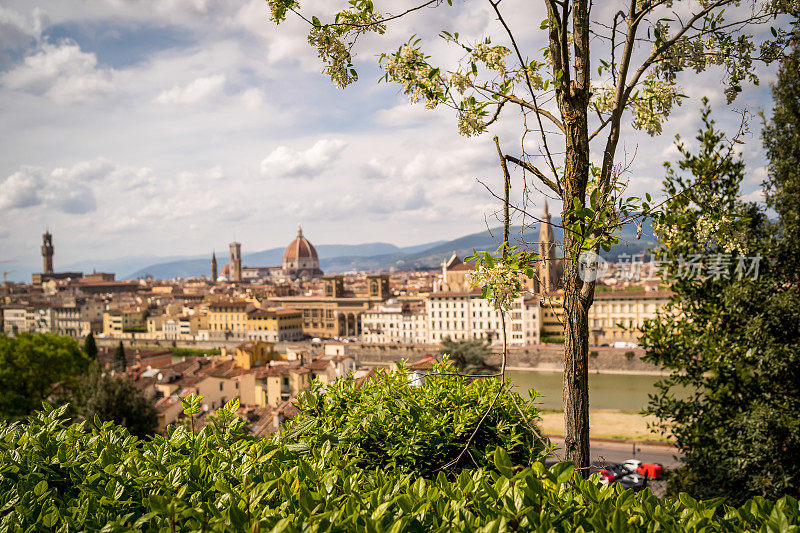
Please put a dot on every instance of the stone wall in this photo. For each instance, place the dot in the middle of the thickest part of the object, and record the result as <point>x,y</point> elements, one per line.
<point>542,357</point>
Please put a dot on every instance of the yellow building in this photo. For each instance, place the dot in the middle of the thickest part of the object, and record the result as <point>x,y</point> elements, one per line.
<point>256,353</point>
<point>616,316</point>
<point>279,384</point>
<point>120,321</point>
<point>552,316</point>
<point>228,319</point>
<point>275,325</point>
<point>112,323</point>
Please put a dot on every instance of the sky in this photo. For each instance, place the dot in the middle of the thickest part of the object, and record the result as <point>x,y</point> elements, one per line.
<point>173,127</point>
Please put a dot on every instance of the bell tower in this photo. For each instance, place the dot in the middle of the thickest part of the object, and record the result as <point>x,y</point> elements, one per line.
<point>236,261</point>
<point>548,277</point>
<point>47,252</point>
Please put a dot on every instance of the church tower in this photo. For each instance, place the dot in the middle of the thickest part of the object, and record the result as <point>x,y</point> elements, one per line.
<point>236,262</point>
<point>47,252</point>
<point>214,267</point>
<point>548,274</point>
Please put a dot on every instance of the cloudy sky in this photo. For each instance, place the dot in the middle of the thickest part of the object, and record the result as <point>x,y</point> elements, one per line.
<point>170,127</point>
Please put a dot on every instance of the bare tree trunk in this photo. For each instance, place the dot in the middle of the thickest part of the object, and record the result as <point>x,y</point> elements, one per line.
<point>572,96</point>
<point>576,376</point>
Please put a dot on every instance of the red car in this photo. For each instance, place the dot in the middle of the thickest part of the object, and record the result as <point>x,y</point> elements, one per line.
<point>651,470</point>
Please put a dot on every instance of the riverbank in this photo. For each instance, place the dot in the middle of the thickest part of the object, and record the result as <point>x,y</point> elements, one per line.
<point>608,424</point>
<point>595,371</point>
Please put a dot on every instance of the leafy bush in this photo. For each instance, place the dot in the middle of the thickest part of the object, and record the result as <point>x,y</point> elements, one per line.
<point>388,423</point>
<point>56,476</point>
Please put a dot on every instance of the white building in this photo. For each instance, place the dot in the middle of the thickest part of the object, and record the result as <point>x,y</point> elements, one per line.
<point>14,319</point>
<point>467,315</point>
<point>395,322</point>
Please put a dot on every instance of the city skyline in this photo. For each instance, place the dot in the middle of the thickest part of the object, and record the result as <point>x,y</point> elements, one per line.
<point>171,128</point>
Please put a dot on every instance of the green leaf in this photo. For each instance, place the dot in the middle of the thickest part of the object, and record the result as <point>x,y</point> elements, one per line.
<point>503,462</point>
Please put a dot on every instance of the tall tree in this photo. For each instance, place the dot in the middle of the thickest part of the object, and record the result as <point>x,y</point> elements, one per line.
<point>600,63</point>
<point>37,367</point>
<point>730,335</point>
<point>90,347</point>
<point>781,136</point>
<point>118,399</point>
<point>120,360</point>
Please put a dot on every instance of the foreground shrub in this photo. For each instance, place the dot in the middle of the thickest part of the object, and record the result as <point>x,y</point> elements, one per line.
<point>386,422</point>
<point>61,477</point>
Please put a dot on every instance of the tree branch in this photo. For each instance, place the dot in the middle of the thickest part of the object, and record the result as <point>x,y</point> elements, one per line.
<point>554,186</point>
<point>519,101</point>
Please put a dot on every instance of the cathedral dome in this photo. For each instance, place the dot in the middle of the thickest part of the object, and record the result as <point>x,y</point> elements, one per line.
<point>300,249</point>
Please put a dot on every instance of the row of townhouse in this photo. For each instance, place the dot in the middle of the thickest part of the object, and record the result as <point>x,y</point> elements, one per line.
<point>243,320</point>
<point>615,317</point>
<point>457,315</point>
<point>219,320</point>
<point>73,320</point>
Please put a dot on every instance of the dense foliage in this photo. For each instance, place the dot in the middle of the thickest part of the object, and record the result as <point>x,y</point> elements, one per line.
<point>470,356</point>
<point>734,341</point>
<point>35,367</point>
<point>57,476</point>
<point>118,399</point>
<point>389,423</point>
<point>781,136</point>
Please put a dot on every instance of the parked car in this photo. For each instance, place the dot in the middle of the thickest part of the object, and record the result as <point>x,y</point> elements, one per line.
<point>651,470</point>
<point>612,472</point>
<point>636,482</point>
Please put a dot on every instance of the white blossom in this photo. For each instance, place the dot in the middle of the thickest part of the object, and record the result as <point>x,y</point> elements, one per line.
<point>501,284</point>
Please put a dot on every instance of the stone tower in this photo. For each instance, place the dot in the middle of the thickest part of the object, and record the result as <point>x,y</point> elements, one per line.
<point>236,261</point>
<point>47,252</point>
<point>548,275</point>
<point>214,267</point>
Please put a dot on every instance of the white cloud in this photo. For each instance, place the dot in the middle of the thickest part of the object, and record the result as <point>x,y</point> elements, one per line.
<point>253,99</point>
<point>198,91</point>
<point>63,72</point>
<point>379,169</point>
<point>21,189</point>
<point>17,30</point>
<point>71,190</point>
<point>285,162</point>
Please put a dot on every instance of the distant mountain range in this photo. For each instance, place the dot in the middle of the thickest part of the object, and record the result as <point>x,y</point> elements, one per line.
<point>339,258</point>
<point>335,258</point>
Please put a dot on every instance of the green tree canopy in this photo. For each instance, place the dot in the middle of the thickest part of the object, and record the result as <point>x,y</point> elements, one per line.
<point>35,367</point>
<point>781,136</point>
<point>469,356</point>
<point>118,399</point>
<point>732,340</point>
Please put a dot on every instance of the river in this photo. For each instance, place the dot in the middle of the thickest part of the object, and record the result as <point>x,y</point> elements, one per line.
<point>627,392</point>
